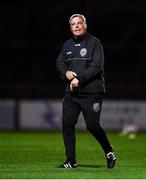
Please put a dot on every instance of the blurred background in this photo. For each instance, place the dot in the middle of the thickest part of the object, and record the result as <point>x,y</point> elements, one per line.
<point>31,35</point>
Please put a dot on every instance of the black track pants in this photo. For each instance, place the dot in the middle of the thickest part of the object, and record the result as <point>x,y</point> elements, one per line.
<point>90,105</point>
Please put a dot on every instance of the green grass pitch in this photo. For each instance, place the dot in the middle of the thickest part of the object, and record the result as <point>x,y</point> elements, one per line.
<point>36,155</point>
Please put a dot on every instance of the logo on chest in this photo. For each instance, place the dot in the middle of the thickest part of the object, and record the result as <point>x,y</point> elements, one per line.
<point>83,52</point>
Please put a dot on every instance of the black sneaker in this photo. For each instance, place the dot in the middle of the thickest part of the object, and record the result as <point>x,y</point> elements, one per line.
<point>68,164</point>
<point>111,159</point>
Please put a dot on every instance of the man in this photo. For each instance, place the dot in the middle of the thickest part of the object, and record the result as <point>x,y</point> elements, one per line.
<point>81,64</point>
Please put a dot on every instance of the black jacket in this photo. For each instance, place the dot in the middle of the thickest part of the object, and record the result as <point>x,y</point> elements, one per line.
<point>85,57</point>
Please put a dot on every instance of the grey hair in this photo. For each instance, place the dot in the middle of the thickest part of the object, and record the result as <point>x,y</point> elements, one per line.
<point>77,15</point>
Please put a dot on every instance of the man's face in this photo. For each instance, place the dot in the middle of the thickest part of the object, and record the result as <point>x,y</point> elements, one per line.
<point>78,27</point>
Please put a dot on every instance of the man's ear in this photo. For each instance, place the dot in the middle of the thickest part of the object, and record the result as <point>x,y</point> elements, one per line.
<point>85,26</point>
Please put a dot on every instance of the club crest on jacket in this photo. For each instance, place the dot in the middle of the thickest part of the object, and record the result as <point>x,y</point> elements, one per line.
<point>83,52</point>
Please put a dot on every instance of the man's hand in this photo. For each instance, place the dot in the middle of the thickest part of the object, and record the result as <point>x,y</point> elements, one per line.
<point>74,83</point>
<point>70,75</point>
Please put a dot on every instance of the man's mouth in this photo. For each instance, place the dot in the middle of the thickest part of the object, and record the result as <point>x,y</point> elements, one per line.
<point>77,30</point>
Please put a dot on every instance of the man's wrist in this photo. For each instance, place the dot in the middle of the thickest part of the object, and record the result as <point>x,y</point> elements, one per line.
<point>77,77</point>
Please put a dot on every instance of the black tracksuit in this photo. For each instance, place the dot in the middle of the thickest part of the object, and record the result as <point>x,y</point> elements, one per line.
<point>85,57</point>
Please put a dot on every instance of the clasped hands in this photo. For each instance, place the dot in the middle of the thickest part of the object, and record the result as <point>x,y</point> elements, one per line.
<point>70,75</point>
